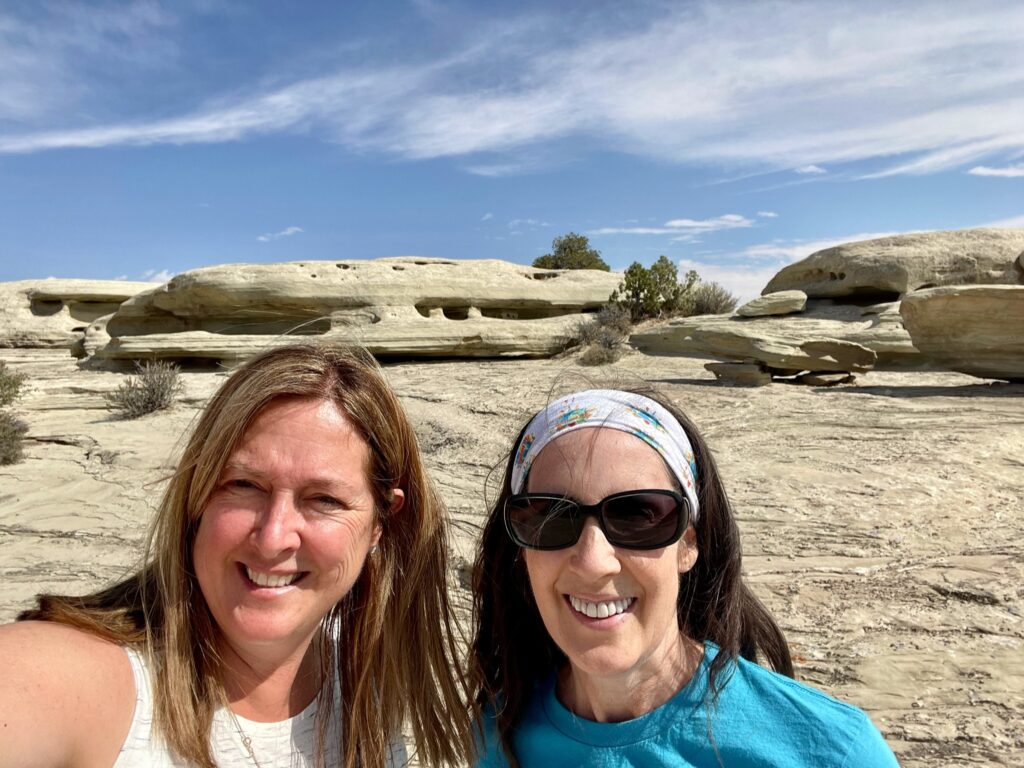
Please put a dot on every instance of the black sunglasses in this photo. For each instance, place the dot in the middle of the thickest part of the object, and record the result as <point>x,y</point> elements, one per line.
<point>646,519</point>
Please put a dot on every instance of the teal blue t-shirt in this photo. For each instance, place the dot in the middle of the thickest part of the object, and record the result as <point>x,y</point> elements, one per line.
<point>760,719</point>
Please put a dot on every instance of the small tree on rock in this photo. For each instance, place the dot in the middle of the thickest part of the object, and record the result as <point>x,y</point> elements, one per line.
<point>571,251</point>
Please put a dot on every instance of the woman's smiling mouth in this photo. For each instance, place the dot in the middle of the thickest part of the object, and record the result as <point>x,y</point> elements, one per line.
<point>600,609</point>
<point>272,580</point>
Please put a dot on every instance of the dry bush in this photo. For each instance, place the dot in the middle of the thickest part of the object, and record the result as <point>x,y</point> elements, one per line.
<point>12,430</point>
<point>596,354</point>
<point>602,336</point>
<point>711,299</point>
<point>152,388</point>
<point>10,385</point>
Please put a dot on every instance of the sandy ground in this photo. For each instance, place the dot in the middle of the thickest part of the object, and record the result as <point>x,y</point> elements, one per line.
<point>881,521</point>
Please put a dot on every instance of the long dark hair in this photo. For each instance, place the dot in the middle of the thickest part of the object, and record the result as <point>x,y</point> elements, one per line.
<point>512,650</point>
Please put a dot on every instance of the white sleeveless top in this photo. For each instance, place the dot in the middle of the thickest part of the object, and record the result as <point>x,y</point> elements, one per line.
<point>290,743</point>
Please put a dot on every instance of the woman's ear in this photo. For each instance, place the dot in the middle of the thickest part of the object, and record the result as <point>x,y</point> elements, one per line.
<point>397,502</point>
<point>688,550</point>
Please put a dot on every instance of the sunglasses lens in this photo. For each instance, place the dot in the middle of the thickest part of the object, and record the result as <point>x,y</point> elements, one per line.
<point>543,523</point>
<point>643,520</point>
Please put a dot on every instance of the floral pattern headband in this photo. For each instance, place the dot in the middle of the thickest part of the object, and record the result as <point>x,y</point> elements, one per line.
<point>627,412</point>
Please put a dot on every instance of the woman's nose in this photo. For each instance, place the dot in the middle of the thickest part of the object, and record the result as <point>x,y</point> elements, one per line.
<point>592,554</point>
<point>277,526</point>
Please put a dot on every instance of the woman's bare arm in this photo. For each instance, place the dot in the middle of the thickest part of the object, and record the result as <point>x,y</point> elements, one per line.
<point>66,697</point>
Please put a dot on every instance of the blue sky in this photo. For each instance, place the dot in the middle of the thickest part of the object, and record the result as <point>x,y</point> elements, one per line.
<point>141,139</point>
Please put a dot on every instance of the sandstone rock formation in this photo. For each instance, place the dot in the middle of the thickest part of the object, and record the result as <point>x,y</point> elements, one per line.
<point>825,337</point>
<point>976,329</point>
<point>55,312</point>
<point>397,307</point>
<point>886,268</point>
<point>779,303</point>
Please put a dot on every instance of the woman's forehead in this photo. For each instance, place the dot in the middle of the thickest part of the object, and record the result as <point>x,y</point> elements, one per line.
<point>597,456</point>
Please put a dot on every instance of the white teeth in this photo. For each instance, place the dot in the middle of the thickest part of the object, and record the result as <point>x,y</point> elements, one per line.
<point>270,579</point>
<point>601,610</point>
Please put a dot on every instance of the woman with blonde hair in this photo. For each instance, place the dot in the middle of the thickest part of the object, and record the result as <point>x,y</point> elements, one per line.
<point>613,624</point>
<point>292,605</point>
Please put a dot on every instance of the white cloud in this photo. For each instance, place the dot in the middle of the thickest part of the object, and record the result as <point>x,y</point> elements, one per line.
<point>152,276</point>
<point>487,216</point>
<point>287,232</point>
<point>740,84</point>
<point>1009,172</point>
<point>813,169</point>
<point>531,223</point>
<point>685,228</point>
<point>1013,221</point>
<point>767,214</point>
<point>742,280</point>
<point>787,251</point>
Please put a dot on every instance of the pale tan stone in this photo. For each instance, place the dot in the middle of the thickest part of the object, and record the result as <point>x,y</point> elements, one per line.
<point>743,374</point>
<point>975,329</point>
<point>892,266</point>
<point>397,307</point>
<point>778,303</point>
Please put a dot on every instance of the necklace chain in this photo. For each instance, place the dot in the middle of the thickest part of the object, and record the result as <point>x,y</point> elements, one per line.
<point>246,739</point>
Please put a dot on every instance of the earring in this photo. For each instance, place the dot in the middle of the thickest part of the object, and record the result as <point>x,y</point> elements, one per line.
<point>374,549</point>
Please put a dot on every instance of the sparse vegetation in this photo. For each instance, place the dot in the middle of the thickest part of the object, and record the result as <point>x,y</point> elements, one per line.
<point>571,251</point>
<point>656,292</point>
<point>152,388</point>
<point>712,299</point>
<point>602,336</point>
<point>10,385</point>
<point>12,429</point>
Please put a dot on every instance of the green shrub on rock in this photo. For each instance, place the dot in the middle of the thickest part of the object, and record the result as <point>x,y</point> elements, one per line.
<point>10,385</point>
<point>152,389</point>
<point>571,251</point>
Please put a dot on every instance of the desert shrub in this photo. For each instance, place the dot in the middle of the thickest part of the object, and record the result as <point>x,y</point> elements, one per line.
<point>601,337</point>
<point>152,388</point>
<point>610,318</point>
<point>12,430</point>
<point>711,299</point>
<point>571,251</point>
<point>10,385</point>
<point>654,291</point>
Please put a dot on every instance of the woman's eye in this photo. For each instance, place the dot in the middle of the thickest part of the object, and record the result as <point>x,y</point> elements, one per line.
<point>240,484</point>
<point>327,501</point>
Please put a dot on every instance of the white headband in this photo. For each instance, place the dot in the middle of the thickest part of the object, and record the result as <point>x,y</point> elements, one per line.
<point>627,412</point>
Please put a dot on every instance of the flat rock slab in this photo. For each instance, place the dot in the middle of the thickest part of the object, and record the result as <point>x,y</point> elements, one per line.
<point>826,379</point>
<point>975,329</point>
<point>53,313</point>
<point>778,303</point>
<point>774,342</point>
<point>743,374</point>
<point>897,265</point>
<point>398,307</point>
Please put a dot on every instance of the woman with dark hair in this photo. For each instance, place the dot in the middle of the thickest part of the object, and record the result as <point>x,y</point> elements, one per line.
<point>291,603</point>
<point>613,624</point>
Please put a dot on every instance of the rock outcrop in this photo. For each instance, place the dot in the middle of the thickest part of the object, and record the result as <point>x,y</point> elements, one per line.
<point>779,303</point>
<point>55,313</point>
<point>396,307</point>
<point>975,329</point>
<point>825,337</point>
<point>887,268</point>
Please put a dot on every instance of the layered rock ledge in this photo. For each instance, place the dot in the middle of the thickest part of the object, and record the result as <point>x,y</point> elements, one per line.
<point>403,307</point>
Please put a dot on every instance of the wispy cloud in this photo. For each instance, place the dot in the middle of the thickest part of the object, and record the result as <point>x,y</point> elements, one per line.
<point>152,276</point>
<point>1009,172</point>
<point>742,84</point>
<point>810,169</point>
<point>767,214</point>
<point>287,232</point>
<point>682,227</point>
<point>487,216</point>
<point>527,223</point>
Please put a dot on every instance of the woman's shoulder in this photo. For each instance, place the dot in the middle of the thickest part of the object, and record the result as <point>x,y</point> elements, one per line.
<point>796,717</point>
<point>63,691</point>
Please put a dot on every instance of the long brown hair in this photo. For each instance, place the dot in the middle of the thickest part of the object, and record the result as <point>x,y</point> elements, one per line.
<point>392,639</point>
<point>512,651</point>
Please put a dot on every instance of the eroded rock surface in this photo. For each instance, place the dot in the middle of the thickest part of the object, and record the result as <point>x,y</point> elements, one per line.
<point>825,337</point>
<point>889,267</point>
<point>396,307</point>
<point>54,312</point>
<point>779,303</point>
<point>976,329</point>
